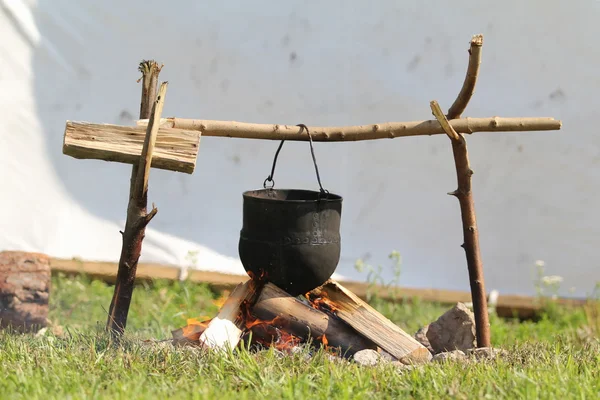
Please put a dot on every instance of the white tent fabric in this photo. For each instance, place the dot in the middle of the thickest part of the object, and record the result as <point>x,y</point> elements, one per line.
<point>318,63</point>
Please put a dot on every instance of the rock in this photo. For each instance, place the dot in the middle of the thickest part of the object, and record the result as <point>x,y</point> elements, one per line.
<point>367,357</point>
<point>454,330</point>
<point>24,290</point>
<point>454,355</point>
<point>486,353</point>
<point>421,337</point>
<point>386,356</point>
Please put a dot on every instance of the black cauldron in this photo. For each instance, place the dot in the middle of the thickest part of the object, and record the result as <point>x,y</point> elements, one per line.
<point>291,237</point>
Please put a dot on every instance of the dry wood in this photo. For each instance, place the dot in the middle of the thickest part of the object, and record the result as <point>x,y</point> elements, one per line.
<point>371,324</point>
<point>137,215</point>
<point>176,149</point>
<point>226,329</point>
<point>294,317</point>
<point>145,162</point>
<point>468,87</point>
<point>24,290</point>
<point>464,193</point>
<point>388,130</point>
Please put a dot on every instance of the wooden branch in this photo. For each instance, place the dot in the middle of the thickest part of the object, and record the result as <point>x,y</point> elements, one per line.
<point>141,185</point>
<point>388,130</point>
<point>468,87</point>
<point>226,329</point>
<point>289,314</point>
<point>137,215</point>
<point>465,195</point>
<point>437,111</point>
<point>176,149</point>
<point>370,323</point>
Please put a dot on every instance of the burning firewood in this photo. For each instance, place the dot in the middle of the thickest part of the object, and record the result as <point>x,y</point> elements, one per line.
<point>287,320</point>
<point>335,299</point>
<point>190,333</point>
<point>333,317</point>
<point>227,328</point>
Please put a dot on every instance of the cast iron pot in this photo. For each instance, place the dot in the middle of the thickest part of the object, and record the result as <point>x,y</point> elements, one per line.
<point>291,237</point>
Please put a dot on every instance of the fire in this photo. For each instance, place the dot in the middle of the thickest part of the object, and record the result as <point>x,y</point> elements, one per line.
<point>321,302</point>
<point>324,340</point>
<point>194,328</point>
<point>261,277</point>
<point>268,332</point>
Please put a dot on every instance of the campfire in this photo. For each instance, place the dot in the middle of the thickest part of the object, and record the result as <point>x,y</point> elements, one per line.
<point>262,314</point>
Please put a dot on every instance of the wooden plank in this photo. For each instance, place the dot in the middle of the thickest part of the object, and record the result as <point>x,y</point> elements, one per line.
<point>226,329</point>
<point>175,149</point>
<point>370,323</point>
<point>507,305</point>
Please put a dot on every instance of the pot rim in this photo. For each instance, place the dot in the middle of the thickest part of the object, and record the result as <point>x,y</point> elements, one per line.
<point>252,195</point>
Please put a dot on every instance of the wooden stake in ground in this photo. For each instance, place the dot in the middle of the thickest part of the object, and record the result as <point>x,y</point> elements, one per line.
<point>464,193</point>
<point>137,215</point>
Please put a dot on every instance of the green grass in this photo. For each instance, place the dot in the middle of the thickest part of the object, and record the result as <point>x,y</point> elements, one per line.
<point>547,359</point>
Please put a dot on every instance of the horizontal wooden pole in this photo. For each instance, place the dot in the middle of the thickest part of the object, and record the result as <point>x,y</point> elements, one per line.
<point>387,130</point>
<point>507,305</point>
<point>175,149</point>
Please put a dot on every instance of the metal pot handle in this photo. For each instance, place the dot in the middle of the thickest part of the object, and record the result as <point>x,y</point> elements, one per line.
<point>312,151</point>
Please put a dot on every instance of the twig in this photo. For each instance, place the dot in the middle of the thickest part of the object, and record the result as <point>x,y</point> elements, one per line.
<point>468,87</point>
<point>137,215</point>
<point>464,194</point>
<point>148,149</point>
<point>388,130</point>
<point>439,115</point>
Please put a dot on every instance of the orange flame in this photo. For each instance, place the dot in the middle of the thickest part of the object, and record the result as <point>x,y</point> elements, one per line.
<point>324,340</point>
<point>270,332</point>
<point>194,328</point>
<point>321,302</point>
<point>261,277</point>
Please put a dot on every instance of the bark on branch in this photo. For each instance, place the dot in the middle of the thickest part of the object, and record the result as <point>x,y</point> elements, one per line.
<point>388,130</point>
<point>464,194</point>
<point>137,215</point>
<point>468,87</point>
